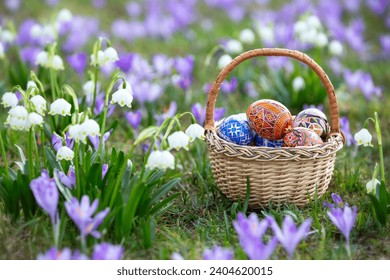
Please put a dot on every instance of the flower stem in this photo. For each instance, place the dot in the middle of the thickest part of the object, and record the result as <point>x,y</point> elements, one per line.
<point>76,167</point>
<point>348,247</point>
<point>95,80</point>
<point>30,154</point>
<point>83,244</point>
<point>380,147</point>
<point>3,153</point>
<point>56,230</point>
<point>53,86</point>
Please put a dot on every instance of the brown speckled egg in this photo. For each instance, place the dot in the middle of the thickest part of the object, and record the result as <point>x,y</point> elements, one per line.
<point>301,136</point>
<point>269,119</point>
<point>313,119</point>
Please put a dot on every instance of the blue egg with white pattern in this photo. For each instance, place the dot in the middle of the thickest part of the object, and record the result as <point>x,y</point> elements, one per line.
<point>262,142</point>
<point>236,129</point>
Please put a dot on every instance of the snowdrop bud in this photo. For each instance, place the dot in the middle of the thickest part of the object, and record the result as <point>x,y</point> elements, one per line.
<point>64,153</point>
<point>100,58</point>
<point>298,83</point>
<point>31,84</point>
<point>314,22</point>
<point>233,46</point>
<point>122,97</point>
<point>39,104</point>
<point>247,36</point>
<point>64,16</point>
<point>76,133</point>
<point>17,118</point>
<point>9,99</point>
<point>60,107</point>
<point>90,128</point>
<point>111,55</point>
<point>310,36</point>
<point>363,137</point>
<point>161,160</point>
<point>88,87</point>
<point>178,140</point>
<point>371,186</point>
<point>7,36</point>
<point>42,59</point>
<point>335,48</point>
<point>224,60</point>
<point>300,27</point>
<point>1,51</point>
<point>57,63</point>
<point>34,119</point>
<point>195,131</point>
<point>36,31</point>
<point>321,40</point>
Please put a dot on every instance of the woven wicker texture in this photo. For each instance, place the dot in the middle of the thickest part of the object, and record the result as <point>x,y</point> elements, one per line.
<point>279,175</point>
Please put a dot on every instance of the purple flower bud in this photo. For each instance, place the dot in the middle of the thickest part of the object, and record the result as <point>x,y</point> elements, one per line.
<point>134,118</point>
<point>56,141</point>
<point>125,61</point>
<point>337,202</point>
<point>78,62</point>
<point>184,65</point>
<point>29,54</point>
<point>106,251</point>
<point>95,140</point>
<point>229,86</point>
<point>12,5</point>
<point>104,170</point>
<point>68,180</point>
<point>349,139</point>
<point>344,219</point>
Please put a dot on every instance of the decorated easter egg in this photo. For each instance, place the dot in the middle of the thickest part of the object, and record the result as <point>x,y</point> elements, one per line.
<point>301,136</point>
<point>269,119</point>
<point>236,129</point>
<point>313,119</point>
<point>260,141</point>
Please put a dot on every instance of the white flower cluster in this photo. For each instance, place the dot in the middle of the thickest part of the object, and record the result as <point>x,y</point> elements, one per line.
<point>123,96</point>
<point>49,61</point>
<point>80,132</point>
<point>310,30</point>
<point>6,36</point>
<point>60,107</point>
<point>109,55</point>
<point>65,153</point>
<point>177,140</point>
<point>363,137</point>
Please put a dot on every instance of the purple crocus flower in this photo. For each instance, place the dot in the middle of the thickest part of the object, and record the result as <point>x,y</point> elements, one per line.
<point>378,6</point>
<point>250,234</point>
<point>99,106</point>
<point>78,62</point>
<point>81,214</point>
<point>218,253</point>
<point>95,140</point>
<point>349,139</point>
<point>289,235</point>
<point>385,43</point>
<point>104,170</point>
<point>362,81</point>
<point>68,180</point>
<point>56,141</point>
<point>134,118</point>
<point>338,202</point>
<point>46,194</point>
<point>64,254</point>
<point>99,4</point>
<point>199,113</point>
<point>12,5</point>
<point>344,219</point>
<point>162,64</point>
<point>168,113</point>
<point>29,54</point>
<point>184,65</point>
<point>125,61</point>
<point>229,86</point>
<point>106,251</point>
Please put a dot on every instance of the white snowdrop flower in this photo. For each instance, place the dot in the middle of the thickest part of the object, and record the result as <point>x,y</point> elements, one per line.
<point>321,40</point>
<point>100,58</point>
<point>2,55</point>
<point>34,119</point>
<point>161,160</point>
<point>36,31</point>
<point>309,36</point>
<point>266,34</point>
<point>128,87</point>
<point>178,140</point>
<point>336,48</point>
<point>39,104</point>
<point>224,60</point>
<point>57,63</point>
<point>60,107</point>
<point>247,36</point>
<point>371,186</point>
<point>64,153</point>
<point>298,83</point>
<point>195,131</point>
<point>76,133</point>
<point>42,59</point>
<point>88,87</point>
<point>64,16</point>
<point>300,27</point>
<point>110,55</point>
<point>314,22</point>
<point>122,97</point>
<point>233,47</point>
<point>9,99</point>
<point>363,137</point>
<point>17,118</point>
<point>49,31</point>
<point>90,128</point>
<point>7,36</point>
<point>32,85</point>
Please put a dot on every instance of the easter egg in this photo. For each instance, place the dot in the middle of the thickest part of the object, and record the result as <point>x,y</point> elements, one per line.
<point>301,136</point>
<point>269,119</point>
<point>236,129</point>
<point>260,141</point>
<point>313,119</point>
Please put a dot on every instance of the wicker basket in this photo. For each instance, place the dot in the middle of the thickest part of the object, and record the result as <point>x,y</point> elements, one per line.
<point>280,175</point>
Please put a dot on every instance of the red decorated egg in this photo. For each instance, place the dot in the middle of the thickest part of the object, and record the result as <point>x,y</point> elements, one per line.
<point>301,136</point>
<point>313,119</point>
<point>269,119</point>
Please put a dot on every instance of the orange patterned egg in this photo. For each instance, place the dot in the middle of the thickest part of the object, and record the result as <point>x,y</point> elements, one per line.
<point>301,136</point>
<point>269,119</point>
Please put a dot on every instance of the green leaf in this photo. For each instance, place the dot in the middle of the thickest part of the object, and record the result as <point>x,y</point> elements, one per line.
<point>21,155</point>
<point>146,133</point>
<point>163,190</point>
<point>64,190</point>
<point>51,158</point>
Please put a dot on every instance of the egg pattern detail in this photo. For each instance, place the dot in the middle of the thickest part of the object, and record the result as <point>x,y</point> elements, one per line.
<point>314,120</point>
<point>236,129</point>
<point>300,136</point>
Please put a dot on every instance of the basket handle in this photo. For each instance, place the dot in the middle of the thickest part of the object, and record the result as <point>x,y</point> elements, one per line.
<point>213,94</point>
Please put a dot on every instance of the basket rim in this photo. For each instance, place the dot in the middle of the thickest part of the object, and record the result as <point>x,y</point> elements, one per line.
<point>258,153</point>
